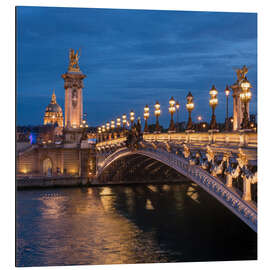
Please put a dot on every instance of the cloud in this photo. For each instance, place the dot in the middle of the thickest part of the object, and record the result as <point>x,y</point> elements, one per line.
<point>132,57</point>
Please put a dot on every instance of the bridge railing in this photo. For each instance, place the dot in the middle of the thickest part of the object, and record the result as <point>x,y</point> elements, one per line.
<point>239,139</point>
<point>111,142</point>
<point>233,139</point>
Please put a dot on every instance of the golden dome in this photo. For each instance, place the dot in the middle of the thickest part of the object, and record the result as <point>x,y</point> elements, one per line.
<point>53,113</point>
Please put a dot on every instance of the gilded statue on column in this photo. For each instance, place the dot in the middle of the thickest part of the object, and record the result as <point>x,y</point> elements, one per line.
<point>74,60</point>
<point>241,73</point>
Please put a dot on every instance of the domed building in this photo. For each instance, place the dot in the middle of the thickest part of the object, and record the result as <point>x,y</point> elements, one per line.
<point>53,113</point>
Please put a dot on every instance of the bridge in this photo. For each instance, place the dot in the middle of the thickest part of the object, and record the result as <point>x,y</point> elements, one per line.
<point>223,164</point>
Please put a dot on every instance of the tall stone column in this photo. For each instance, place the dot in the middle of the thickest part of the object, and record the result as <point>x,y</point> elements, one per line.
<point>73,98</point>
<point>237,107</point>
<point>237,104</point>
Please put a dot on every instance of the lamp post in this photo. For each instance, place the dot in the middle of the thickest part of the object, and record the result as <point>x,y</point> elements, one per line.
<point>132,117</point>
<point>157,114</point>
<point>190,107</point>
<point>146,116</point>
<point>171,110</point>
<point>245,97</point>
<point>84,127</point>
<point>108,130</point>
<point>118,125</point>
<point>103,129</point>
<point>227,93</point>
<point>199,118</point>
<point>124,121</point>
<point>99,137</point>
<point>177,105</point>
<point>83,124</point>
<point>112,127</point>
<point>213,102</point>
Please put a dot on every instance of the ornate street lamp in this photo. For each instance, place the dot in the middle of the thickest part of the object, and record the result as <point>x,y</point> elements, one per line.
<point>84,124</point>
<point>146,116</point>
<point>118,125</point>
<point>112,127</point>
<point>213,102</point>
<point>108,130</point>
<point>190,107</point>
<point>103,129</point>
<point>245,97</point>
<point>227,93</point>
<point>171,110</point>
<point>157,114</point>
<point>199,118</point>
<point>177,105</point>
<point>99,137</point>
<point>124,121</point>
<point>132,117</point>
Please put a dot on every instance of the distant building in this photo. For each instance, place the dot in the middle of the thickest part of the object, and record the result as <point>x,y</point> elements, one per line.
<point>53,114</point>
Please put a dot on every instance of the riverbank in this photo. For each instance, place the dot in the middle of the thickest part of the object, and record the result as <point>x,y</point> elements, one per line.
<point>28,183</point>
<point>32,182</point>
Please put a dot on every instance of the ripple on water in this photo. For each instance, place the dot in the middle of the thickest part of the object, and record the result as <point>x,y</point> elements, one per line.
<point>134,224</point>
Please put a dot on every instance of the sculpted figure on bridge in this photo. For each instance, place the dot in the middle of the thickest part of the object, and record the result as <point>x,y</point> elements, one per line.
<point>242,158</point>
<point>209,154</point>
<point>241,73</point>
<point>195,160</point>
<point>186,151</point>
<point>134,137</point>
<point>218,169</point>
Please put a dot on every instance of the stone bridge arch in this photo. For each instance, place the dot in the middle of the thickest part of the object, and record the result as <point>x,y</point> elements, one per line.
<point>212,185</point>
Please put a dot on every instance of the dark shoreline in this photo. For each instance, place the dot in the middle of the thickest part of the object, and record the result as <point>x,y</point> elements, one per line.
<point>43,183</point>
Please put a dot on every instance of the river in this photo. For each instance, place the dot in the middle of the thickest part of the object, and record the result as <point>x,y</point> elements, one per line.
<point>127,224</point>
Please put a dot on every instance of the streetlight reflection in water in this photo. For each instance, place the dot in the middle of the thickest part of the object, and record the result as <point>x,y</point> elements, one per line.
<point>126,224</point>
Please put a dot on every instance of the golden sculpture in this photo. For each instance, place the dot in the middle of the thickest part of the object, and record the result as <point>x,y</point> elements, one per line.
<point>74,61</point>
<point>241,73</point>
<point>242,158</point>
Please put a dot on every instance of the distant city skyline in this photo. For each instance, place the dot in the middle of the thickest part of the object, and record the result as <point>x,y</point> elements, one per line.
<point>132,58</point>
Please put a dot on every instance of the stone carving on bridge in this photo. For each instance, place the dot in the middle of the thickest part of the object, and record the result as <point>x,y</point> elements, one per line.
<point>224,167</point>
<point>204,164</point>
<point>186,151</point>
<point>168,147</point>
<point>219,168</point>
<point>209,154</point>
<point>134,137</point>
<point>154,145</point>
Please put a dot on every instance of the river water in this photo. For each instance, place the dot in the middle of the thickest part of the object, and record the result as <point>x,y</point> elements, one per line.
<point>127,224</point>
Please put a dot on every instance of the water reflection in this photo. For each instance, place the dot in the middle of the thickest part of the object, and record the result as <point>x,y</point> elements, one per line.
<point>149,205</point>
<point>127,224</point>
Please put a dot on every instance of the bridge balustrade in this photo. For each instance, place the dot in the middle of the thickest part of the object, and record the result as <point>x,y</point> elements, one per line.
<point>240,139</point>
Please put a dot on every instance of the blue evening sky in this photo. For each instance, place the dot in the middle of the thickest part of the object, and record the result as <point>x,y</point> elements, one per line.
<point>132,58</point>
